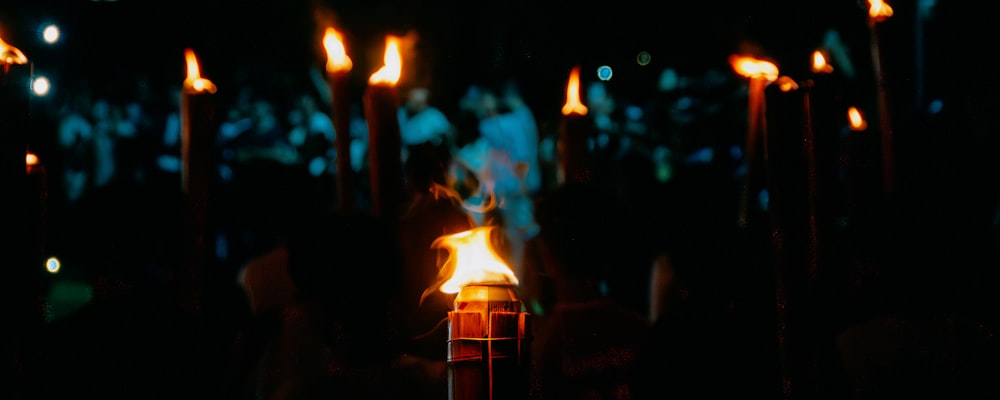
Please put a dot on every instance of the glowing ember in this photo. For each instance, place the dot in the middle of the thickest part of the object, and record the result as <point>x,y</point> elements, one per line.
<point>10,54</point>
<point>389,73</point>
<point>878,10</point>
<point>856,119</point>
<point>754,68</point>
<point>336,54</point>
<point>819,64</point>
<point>787,84</point>
<point>573,104</point>
<point>194,82</point>
<point>472,260</point>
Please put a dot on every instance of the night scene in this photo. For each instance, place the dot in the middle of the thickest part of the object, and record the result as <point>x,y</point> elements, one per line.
<point>528,200</point>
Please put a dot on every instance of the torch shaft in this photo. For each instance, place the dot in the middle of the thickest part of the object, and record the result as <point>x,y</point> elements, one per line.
<point>487,357</point>
<point>341,116</point>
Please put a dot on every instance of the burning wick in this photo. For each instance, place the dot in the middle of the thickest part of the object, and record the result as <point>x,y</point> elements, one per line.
<point>472,260</point>
<point>819,64</point>
<point>856,120</point>
<point>194,82</point>
<point>390,72</point>
<point>11,55</point>
<point>336,54</point>
<point>573,104</point>
<point>878,11</point>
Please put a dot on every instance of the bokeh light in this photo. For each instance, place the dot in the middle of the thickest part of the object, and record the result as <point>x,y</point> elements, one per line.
<point>643,58</point>
<point>41,86</point>
<point>51,34</point>
<point>52,265</point>
<point>604,73</point>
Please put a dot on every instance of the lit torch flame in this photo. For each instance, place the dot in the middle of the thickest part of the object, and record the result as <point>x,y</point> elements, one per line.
<point>472,260</point>
<point>878,11</point>
<point>856,119</point>
<point>336,54</point>
<point>819,64</point>
<point>754,68</point>
<point>11,55</point>
<point>31,162</point>
<point>573,104</point>
<point>389,73</point>
<point>787,84</point>
<point>194,82</point>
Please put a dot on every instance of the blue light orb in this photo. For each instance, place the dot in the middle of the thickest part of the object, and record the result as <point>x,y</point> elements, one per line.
<point>604,73</point>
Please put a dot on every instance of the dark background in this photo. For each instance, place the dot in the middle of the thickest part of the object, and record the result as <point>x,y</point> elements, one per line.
<point>467,42</point>
<point>940,232</point>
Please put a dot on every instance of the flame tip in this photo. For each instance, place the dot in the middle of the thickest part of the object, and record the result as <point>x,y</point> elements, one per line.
<point>573,104</point>
<point>392,64</point>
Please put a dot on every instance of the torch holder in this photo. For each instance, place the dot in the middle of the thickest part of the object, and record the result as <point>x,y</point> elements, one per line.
<point>488,345</point>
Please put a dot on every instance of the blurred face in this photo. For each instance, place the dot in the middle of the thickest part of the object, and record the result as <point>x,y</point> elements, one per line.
<point>417,99</point>
<point>488,106</point>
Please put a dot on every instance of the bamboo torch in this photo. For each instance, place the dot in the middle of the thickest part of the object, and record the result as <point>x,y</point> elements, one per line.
<point>760,73</point>
<point>21,292</point>
<point>879,11</point>
<point>381,102</point>
<point>197,150</point>
<point>573,147</point>
<point>488,331</point>
<point>338,70</point>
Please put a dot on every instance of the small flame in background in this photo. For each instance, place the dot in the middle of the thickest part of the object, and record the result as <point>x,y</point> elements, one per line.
<point>819,63</point>
<point>786,84</point>
<point>30,159</point>
<point>751,67</point>
<point>472,260</point>
<point>194,82</point>
<point>11,55</point>
<point>878,11</point>
<point>336,54</point>
<point>573,104</point>
<point>390,72</point>
<point>856,120</point>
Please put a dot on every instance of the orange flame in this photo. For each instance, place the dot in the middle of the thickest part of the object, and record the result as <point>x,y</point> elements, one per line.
<point>787,84</point>
<point>10,54</point>
<point>30,159</point>
<point>819,64</point>
<point>336,54</point>
<point>750,67</point>
<point>472,260</point>
<point>194,82</point>
<point>878,11</point>
<point>573,104</point>
<point>856,119</point>
<point>390,72</point>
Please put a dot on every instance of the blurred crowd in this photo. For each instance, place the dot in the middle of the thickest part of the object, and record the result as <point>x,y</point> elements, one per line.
<point>640,281</point>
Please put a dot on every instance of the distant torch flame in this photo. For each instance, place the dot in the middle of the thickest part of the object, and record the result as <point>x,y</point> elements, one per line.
<point>194,82</point>
<point>389,73</point>
<point>856,119</point>
<point>878,10</point>
<point>819,64</point>
<point>10,54</point>
<point>787,84</point>
<point>30,159</point>
<point>472,260</point>
<point>336,54</point>
<point>750,67</point>
<point>573,104</point>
